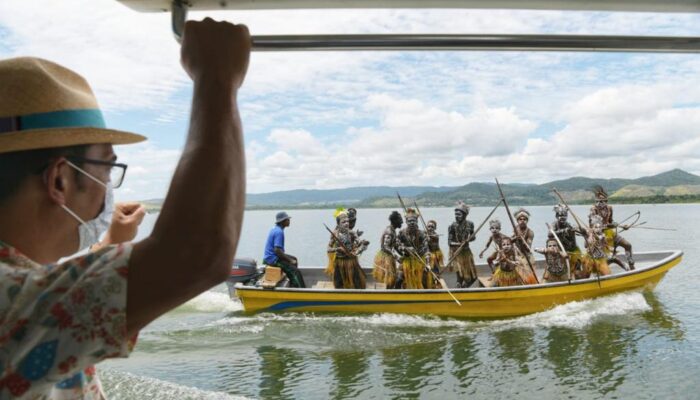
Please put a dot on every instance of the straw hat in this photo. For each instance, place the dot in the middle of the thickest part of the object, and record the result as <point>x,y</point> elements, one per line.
<point>44,105</point>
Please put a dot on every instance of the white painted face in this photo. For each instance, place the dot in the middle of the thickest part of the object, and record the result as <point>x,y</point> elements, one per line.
<point>552,247</point>
<point>507,245</point>
<point>345,223</point>
<point>598,228</point>
<point>495,229</point>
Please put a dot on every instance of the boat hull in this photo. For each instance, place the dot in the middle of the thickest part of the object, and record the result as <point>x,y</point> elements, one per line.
<point>475,302</point>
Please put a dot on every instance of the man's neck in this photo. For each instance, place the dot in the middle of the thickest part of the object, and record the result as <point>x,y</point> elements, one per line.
<point>30,231</point>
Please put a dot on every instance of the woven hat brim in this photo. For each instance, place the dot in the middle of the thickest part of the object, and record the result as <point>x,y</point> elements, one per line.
<point>63,137</point>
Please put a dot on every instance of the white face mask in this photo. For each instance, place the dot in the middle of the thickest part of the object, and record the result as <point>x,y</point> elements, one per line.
<point>90,231</point>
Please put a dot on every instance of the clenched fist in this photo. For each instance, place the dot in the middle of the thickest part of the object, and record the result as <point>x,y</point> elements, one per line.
<point>125,224</point>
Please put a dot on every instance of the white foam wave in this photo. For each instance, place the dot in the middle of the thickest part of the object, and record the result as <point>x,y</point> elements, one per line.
<point>578,314</point>
<point>212,302</point>
<point>126,386</point>
<point>388,320</point>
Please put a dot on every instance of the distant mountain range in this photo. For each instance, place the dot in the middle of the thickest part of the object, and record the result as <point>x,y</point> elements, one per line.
<point>672,186</point>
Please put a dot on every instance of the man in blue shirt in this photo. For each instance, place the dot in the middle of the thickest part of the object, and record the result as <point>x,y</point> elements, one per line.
<point>275,255</point>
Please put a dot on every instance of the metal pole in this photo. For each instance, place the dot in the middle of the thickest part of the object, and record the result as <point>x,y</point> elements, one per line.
<point>456,42</point>
<point>470,42</point>
<point>178,19</point>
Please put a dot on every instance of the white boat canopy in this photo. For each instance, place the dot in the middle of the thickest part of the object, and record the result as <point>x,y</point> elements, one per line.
<point>505,42</point>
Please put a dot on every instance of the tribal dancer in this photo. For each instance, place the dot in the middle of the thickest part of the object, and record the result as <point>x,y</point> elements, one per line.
<point>387,256</point>
<point>347,273</point>
<point>602,209</point>
<point>496,238</point>
<point>436,257</point>
<point>522,240</point>
<point>331,254</point>
<point>459,234</point>
<point>567,235</point>
<point>413,246</point>
<point>597,246</point>
<point>555,261</point>
<point>507,264</point>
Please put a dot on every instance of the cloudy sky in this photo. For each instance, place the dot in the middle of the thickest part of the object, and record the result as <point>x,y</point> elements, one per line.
<point>318,120</point>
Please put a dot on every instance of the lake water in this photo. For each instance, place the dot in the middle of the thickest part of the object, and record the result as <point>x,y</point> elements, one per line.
<point>631,345</point>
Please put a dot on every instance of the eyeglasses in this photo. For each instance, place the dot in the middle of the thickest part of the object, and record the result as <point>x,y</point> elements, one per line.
<point>117,171</point>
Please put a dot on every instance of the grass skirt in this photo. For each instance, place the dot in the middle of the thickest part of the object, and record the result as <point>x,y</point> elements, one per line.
<point>574,258</point>
<point>595,265</point>
<point>437,259</point>
<point>331,263</point>
<point>348,274</point>
<point>609,239</point>
<point>384,269</point>
<point>464,265</point>
<point>413,272</point>
<point>505,278</point>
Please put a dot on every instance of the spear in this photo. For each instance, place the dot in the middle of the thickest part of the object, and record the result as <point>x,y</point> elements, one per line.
<point>515,230</point>
<point>338,240</point>
<point>420,215</point>
<point>561,246</point>
<point>578,222</point>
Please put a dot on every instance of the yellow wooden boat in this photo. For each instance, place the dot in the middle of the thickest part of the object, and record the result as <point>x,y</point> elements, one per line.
<point>479,301</point>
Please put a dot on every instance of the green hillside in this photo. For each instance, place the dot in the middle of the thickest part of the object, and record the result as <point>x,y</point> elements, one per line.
<point>675,186</point>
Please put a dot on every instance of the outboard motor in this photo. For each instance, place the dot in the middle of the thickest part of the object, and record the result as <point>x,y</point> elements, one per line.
<point>243,270</point>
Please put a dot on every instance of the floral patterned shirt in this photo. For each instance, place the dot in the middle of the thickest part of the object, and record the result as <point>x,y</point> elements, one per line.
<point>58,320</point>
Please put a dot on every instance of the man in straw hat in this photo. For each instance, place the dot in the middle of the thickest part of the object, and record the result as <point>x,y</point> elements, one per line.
<point>57,170</point>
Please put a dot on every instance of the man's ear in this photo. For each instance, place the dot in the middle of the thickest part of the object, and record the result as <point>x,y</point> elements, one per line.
<point>57,180</point>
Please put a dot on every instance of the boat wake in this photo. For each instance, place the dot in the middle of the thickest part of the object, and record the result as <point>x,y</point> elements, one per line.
<point>572,315</point>
<point>125,386</point>
<point>579,314</point>
<point>211,302</point>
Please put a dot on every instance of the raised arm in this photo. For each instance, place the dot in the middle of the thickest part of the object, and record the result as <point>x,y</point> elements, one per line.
<point>194,240</point>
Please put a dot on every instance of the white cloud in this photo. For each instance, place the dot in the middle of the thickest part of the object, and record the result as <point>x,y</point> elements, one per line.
<point>299,141</point>
<point>605,135</point>
<point>149,171</point>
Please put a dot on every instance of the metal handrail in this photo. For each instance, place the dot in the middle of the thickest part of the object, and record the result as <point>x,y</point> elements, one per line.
<point>478,42</point>
<point>661,6</point>
<point>503,42</point>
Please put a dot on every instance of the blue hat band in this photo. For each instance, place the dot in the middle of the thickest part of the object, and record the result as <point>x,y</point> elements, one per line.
<point>89,118</point>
